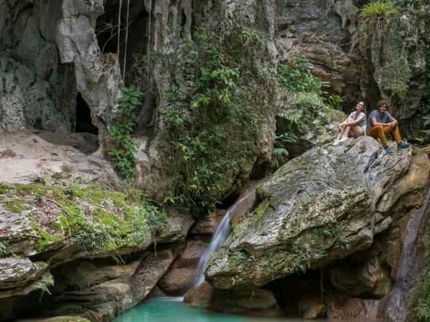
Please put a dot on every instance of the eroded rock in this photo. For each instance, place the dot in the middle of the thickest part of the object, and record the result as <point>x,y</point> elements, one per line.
<point>16,272</point>
<point>209,224</point>
<point>341,308</point>
<point>199,296</point>
<point>367,277</point>
<point>251,301</point>
<point>315,209</point>
<point>182,273</point>
<point>176,229</point>
<point>104,301</point>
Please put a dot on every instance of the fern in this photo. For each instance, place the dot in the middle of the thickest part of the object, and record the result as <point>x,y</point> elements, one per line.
<point>286,138</point>
<point>378,9</point>
<point>279,158</point>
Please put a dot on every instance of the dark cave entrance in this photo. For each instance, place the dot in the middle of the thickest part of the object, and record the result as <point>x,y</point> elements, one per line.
<point>83,117</point>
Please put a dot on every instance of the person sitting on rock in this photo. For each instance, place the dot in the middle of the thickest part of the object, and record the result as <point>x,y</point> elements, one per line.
<point>354,125</point>
<point>382,123</point>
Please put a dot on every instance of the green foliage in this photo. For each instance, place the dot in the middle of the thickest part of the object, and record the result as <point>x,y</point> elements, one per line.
<point>299,78</point>
<point>4,249</point>
<point>379,10</point>
<point>422,309</point>
<point>396,69</point>
<point>215,104</point>
<point>280,152</point>
<point>419,297</point>
<point>308,106</point>
<point>279,158</point>
<point>334,101</point>
<point>123,153</point>
<point>4,188</point>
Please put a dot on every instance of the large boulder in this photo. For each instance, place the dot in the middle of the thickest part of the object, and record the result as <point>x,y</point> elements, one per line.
<point>320,207</point>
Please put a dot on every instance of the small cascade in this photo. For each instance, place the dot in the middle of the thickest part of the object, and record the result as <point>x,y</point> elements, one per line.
<point>219,237</point>
<point>394,304</point>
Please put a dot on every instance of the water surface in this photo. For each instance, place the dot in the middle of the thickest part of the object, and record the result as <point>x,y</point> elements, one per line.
<point>174,310</point>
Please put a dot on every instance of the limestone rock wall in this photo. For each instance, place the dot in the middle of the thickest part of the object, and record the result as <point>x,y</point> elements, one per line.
<point>49,53</point>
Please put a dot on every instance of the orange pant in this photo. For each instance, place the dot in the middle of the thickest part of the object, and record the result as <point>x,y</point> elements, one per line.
<point>379,132</point>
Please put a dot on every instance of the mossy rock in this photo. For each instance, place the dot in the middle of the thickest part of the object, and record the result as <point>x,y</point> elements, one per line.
<point>314,210</point>
<point>91,217</point>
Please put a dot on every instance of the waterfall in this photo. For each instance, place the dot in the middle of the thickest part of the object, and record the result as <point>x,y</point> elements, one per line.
<point>218,238</point>
<point>394,304</point>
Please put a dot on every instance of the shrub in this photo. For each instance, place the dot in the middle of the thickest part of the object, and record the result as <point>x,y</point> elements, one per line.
<point>379,10</point>
<point>217,99</point>
<point>123,153</point>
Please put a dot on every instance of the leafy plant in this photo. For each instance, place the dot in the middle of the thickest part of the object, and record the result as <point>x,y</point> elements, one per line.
<point>379,10</point>
<point>280,153</point>
<point>299,78</point>
<point>419,296</point>
<point>4,249</point>
<point>215,104</point>
<point>334,101</point>
<point>123,153</point>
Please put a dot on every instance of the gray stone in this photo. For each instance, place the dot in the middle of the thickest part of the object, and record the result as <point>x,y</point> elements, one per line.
<point>176,230</point>
<point>47,61</point>
<point>17,272</point>
<point>317,208</point>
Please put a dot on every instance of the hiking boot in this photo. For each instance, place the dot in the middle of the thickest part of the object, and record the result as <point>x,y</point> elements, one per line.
<point>403,145</point>
<point>388,150</point>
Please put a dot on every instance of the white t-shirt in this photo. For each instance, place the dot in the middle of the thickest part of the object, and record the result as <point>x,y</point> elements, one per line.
<point>361,117</point>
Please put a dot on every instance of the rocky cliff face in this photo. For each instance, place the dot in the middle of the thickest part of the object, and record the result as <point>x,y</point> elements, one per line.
<point>334,212</point>
<point>48,54</point>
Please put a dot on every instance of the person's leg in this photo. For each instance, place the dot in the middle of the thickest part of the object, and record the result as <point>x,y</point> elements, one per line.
<point>377,132</point>
<point>397,137</point>
<point>345,132</point>
<point>340,132</point>
<point>357,131</point>
<point>395,131</point>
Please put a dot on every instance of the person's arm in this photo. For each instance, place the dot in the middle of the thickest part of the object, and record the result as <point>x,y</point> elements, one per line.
<point>393,121</point>
<point>357,121</point>
<point>340,125</point>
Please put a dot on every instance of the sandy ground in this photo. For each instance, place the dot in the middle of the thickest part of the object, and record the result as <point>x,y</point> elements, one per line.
<point>25,155</point>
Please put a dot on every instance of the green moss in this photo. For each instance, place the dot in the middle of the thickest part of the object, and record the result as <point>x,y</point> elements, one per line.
<point>259,212</point>
<point>94,217</point>
<point>17,205</point>
<point>45,239</point>
<point>239,258</point>
<point>5,188</point>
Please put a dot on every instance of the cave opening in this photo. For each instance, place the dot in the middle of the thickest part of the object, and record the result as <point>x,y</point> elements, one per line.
<point>83,117</point>
<point>297,294</point>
